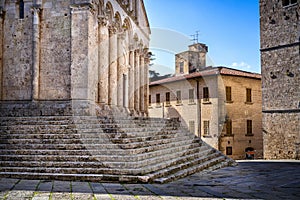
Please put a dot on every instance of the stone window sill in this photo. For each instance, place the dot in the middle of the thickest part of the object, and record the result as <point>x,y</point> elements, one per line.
<point>249,134</point>
<point>192,103</point>
<point>206,102</point>
<point>229,101</point>
<point>228,135</point>
<point>248,103</point>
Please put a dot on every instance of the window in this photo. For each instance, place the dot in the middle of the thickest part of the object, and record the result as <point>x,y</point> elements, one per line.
<point>205,128</point>
<point>178,97</point>
<point>149,100</point>
<point>248,95</point>
<point>21,9</point>
<point>205,94</point>
<point>228,94</point>
<point>288,2</point>
<point>181,66</point>
<point>167,98</point>
<point>158,99</point>
<point>192,126</point>
<point>191,96</point>
<point>249,127</point>
<point>229,127</point>
<point>228,150</point>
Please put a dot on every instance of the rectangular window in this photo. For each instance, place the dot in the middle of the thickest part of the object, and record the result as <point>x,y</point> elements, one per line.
<point>192,126</point>
<point>178,97</point>
<point>248,95</point>
<point>205,94</point>
<point>205,128</point>
<point>191,96</point>
<point>229,127</point>
<point>228,94</point>
<point>167,98</point>
<point>181,66</point>
<point>228,150</point>
<point>149,101</point>
<point>157,99</point>
<point>249,127</point>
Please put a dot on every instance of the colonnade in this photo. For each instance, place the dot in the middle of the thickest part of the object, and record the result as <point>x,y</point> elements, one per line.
<point>122,69</point>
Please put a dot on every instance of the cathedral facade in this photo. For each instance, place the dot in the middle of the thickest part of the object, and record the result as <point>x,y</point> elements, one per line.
<point>69,57</point>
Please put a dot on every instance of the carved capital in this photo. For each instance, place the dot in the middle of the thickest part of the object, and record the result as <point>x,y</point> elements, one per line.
<point>103,20</point>
<point>35,9</point>
<point>112,28</point>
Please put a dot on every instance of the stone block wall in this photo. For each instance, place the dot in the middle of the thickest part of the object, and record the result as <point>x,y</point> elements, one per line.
<point>280,61</point>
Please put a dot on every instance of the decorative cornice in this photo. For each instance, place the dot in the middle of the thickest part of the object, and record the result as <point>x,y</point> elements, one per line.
<point>83,7</point>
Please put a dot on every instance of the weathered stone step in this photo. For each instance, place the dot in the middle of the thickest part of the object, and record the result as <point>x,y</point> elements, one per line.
<point>48,158</point>
<point>42,141</point>
<point>184,170</point>
<point>40,136</point>
<point>75,177</point>
<point>154,160</point>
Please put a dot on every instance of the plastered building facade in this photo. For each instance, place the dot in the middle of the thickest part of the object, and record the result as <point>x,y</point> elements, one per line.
<point>70,56</point>
<point>280,62</point>
<point>221,105</point>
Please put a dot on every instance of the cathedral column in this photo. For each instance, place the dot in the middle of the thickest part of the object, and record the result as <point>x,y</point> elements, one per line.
<point>142,84</point>
<point>131,80</point>
<point>137,81</point>
<point>121,66</point>
<point>113,67</point>
<point>35,51</point>
<point>103,66</point>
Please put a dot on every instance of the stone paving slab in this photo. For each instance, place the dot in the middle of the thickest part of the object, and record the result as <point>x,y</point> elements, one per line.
<point>248,180</point>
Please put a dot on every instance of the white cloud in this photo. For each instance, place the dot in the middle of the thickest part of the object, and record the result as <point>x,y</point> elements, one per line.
<point>241,65</point>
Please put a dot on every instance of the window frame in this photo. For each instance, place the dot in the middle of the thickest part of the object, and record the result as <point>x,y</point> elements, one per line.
<point>191,96</point>
<point>178,97</point>
<point>248,95</point>
<point>206,132</point>
<point>205,94</point>
<point>158,99</point>
<point>228,94</point>
<point>168,98</point>
<point>249,127</point>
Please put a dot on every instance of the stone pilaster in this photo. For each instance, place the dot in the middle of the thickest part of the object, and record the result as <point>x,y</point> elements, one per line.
<point>35,51</point>
<point>113,67</point>
<point>103,65</point>
<point>137,81</point>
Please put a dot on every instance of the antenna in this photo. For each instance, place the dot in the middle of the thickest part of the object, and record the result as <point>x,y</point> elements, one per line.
<point>195,37</point>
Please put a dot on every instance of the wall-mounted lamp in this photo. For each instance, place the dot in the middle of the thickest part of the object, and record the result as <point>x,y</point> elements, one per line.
<point>289,74</point>
<point>273,76</point>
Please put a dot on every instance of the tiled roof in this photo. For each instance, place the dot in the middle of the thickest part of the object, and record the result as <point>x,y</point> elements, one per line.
<point>209,72</point>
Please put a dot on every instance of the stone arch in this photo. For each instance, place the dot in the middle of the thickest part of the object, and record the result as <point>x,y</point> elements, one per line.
<point>118,21</point>
<point>109,11</point>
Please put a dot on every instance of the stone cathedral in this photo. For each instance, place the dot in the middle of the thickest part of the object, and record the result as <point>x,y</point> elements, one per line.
<point>65,56</point>
<point>73,93</point>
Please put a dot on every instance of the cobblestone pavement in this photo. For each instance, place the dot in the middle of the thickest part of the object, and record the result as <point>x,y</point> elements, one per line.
<point>248,180</point>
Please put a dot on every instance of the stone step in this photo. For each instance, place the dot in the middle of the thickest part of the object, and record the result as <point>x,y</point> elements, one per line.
<point>182,170</point>
<point>55,136</point>
<point>75,177</point>
<point>48,158</point>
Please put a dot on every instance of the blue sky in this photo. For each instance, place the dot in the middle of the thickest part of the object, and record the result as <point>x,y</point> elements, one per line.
<point>230,29</point>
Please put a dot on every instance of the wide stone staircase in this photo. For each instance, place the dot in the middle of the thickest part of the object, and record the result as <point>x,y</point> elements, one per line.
<point>109,148</point>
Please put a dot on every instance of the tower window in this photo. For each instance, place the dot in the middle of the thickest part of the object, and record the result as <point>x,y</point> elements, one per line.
<point>21,9</point>
<point>205,128</point>
<point>181,65</point>
<point>158,99</point>
<point>288,2</point>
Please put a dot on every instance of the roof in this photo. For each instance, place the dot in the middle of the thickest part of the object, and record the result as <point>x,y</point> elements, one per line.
<point>210,71</point>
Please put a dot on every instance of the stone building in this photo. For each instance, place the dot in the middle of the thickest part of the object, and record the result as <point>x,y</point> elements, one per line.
<point>221,105</point>
<point>280,61</point>
<point>66,57</point>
